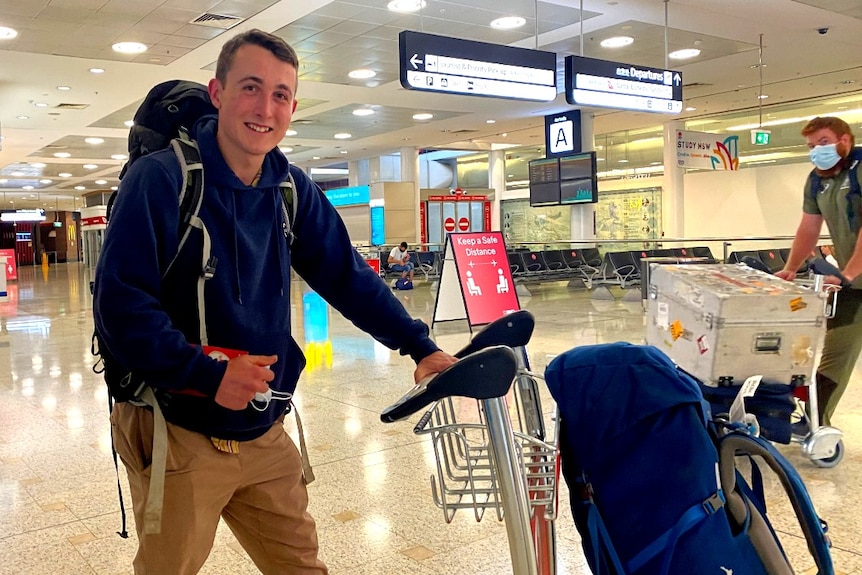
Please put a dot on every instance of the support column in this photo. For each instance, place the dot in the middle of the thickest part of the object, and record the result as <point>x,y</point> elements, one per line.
<point>353,173</point>
<point>497,182</point>
<point>410,173</point>
<point>673,187</point>
<point>583,216</point>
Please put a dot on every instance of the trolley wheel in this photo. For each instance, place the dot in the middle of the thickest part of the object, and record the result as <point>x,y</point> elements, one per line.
<point>832,460</point>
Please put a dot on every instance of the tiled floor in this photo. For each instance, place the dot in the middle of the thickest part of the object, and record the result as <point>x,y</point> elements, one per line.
<point>372,499</point>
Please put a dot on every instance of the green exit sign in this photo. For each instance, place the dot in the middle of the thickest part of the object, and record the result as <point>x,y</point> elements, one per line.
<point>760,137</point>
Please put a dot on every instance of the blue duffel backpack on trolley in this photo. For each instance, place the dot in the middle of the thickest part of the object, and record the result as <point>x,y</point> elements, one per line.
<point>653,480</point>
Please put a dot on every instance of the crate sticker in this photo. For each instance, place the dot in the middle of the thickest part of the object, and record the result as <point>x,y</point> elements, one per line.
<point>676,330</point>
<point>797,304</point>
<point>702,346</point>
<point>696,298</point>
<point>661,315</point>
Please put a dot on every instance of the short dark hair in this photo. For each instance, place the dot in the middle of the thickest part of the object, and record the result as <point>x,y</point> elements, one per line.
<point>278,47</point>
<point>837,125</point>
<point>404,245</point>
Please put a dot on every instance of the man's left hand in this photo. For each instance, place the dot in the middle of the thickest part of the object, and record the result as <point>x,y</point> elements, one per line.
<point>431,364</point>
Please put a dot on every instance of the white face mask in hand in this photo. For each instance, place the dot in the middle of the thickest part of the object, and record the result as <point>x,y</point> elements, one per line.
<point>261,401</point>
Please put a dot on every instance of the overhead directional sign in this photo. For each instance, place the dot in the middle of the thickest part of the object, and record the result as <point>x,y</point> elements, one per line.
<point>591,82</point>
<point>440,64</point>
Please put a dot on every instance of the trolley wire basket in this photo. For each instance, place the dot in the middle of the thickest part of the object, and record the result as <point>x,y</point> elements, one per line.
<point>466,477</point>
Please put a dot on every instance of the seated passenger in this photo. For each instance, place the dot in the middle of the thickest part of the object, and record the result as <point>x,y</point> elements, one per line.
<point>399,261</point>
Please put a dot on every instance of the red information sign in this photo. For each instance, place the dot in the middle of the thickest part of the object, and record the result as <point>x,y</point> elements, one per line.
<point>11,269</point>
<point>449,224</point>
<point>486,280</point>
<point>464,224</point>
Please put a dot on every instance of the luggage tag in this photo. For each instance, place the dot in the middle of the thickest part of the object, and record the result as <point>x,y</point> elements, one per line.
<point>737,409</point>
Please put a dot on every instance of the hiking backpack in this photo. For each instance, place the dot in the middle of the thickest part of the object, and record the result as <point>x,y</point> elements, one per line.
<point>654,486</point>
<point>814,182</point>
<point>164,120</point>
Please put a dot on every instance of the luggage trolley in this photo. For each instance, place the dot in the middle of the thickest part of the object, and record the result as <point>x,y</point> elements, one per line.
<point>482,461</point>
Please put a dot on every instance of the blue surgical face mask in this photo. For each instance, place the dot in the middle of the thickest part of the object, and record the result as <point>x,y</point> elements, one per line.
<point>824,157</point>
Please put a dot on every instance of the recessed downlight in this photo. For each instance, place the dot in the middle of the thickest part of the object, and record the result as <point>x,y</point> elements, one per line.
<point>490,121</point>
<point>37,164</point>
<point>41,104</point>
<point>97,70</point>
<point>94,141</point>
<point>9,33</point>
<point>114,188</point>
<point>90,166</point>
<point>17,174</point>
<point>362,74</point>
<point>343,151</point>
<point>62,155</point>
<point>405,6</point>
<point>27,187</point>
<point>363,112</point>
<point>80,188</point>
<point>762,96</point>
<point>616,42</point>
<point>342,136</point>
<point>129,123</point>
<point>423,116</point>
<point>65,175</point>
<point>23,117</point>
<point>315,157</point>
<point>690,109</point>
<point>119,157</point>
<point>45,181</point>
<point>101,182</point>
<point>684,54</point>
<point>64,88</point>
<point>508,22</point>
<point>290,133</point>
<point>285,149</point>
<point>129,47</point>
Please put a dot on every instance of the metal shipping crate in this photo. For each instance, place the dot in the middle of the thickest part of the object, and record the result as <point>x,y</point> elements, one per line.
<point>723,323</point>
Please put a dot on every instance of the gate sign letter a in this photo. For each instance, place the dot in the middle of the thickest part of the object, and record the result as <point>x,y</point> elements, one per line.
<point>561,137</point>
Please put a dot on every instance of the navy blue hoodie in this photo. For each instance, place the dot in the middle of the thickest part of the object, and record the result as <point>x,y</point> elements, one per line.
<point>150,323</point>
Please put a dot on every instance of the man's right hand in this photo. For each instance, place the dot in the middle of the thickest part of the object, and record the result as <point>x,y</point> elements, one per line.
<point>788,275</point>
<point>245,376</point>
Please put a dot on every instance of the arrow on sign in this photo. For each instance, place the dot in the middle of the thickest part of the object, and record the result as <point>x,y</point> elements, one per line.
<point>677,79</point>
<point>415,60</point>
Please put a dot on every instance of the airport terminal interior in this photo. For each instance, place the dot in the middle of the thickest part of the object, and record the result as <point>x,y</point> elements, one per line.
<point>372,499</point>
<point>748,75</point>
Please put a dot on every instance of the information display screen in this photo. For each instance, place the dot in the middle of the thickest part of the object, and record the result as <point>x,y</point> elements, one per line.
<point>545,182</point>
<point>578,179</point>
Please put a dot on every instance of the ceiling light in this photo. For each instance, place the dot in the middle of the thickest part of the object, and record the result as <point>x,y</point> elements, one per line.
<point>343,151</point>
<point>616,42</point>
<point>80,188</point>
<point>129,47</point>
<point>684,54</point>
<point>119,157</point>
<point>490,121</point>
<point>623,161</point>
<point>45,181</point>
<point>62,155</point>
<point>65,175</point>
<point>342,136</point>
<point>363,112</point>
<point>101,182</point>
<point>9,33</point>
<point>362,74</point>
<point>3,181</point>
<point>41,105</point>
<point>37,164</point>
<point>285,149</point>
<point>423,116</point>
<point>405,5</point>
<point>23,117</point>
<point>89,166</point>
<point>508,22</point>
<point>94,140</point>
<point>97,70</point>
<point>762,96</point>
<point>129,123</point>
<point>26,187</point>
<point>114,188</point>
<point>17,174</point>
<point>690,109</point>
<point>315,157</point>
<point>64,88</point>
<point>290,133</point>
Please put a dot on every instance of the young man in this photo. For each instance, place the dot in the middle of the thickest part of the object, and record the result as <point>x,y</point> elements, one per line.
<point>226,456</point>
<point>831,142</point>
<point>399,261</point>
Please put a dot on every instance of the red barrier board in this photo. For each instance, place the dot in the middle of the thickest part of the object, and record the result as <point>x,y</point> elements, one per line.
<point>11,268</point>
<point>484,275</point>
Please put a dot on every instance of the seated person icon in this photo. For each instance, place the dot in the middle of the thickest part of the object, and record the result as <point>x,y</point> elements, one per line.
<point>503,286</point>
<point>471,285</point>
<point>399,261</point>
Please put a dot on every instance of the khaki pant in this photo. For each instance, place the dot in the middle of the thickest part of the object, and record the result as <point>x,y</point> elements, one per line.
<point>260,493</point>
<point>841,348</point>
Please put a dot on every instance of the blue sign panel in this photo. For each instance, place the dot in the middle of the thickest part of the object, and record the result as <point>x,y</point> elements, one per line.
<point>378,234</point>
<point>349,196</point>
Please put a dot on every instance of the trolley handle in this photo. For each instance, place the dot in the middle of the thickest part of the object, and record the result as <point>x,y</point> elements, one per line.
<point>484,374</point>
<point>824,268</point>
<point>426,417</point>
<point>511,330</point>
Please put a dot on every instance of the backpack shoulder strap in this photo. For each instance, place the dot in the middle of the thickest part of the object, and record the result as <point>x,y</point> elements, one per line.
<point>855,157</point>
<point>288,206</point>
<point>813,528</point>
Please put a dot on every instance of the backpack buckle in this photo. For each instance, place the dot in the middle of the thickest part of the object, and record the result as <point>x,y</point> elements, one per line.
<point>209,269</point>
<point>714,503</point>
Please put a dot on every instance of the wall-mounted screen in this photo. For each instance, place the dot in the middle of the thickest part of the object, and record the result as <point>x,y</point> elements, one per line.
<point>578,179</point>
<point>544,182</point>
